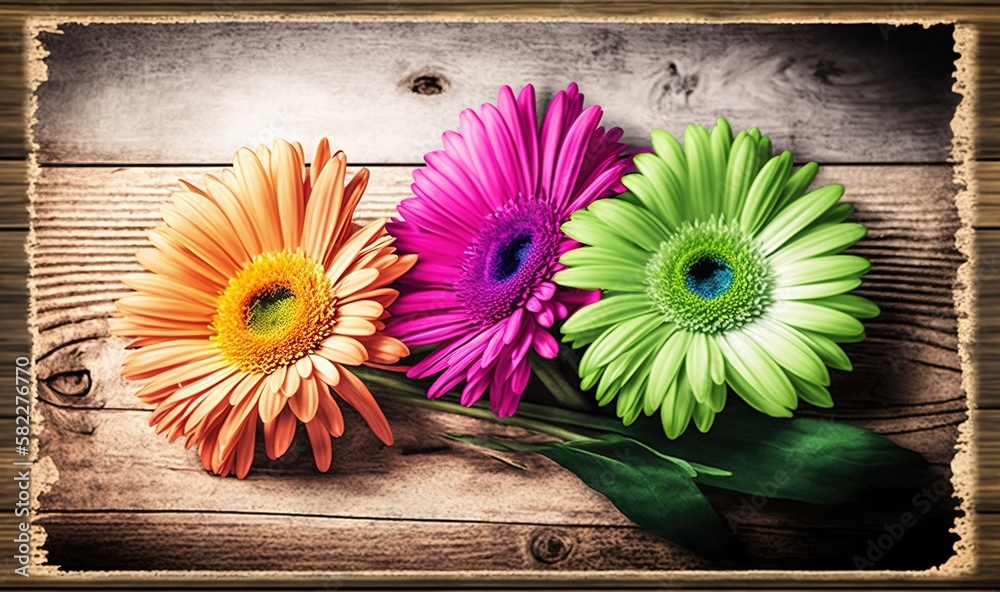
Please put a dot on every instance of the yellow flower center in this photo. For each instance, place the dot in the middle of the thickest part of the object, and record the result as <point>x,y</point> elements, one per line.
<point>275,310</point>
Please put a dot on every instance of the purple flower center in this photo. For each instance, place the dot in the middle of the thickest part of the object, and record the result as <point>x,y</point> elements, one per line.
<point>517,248</point>
<point>508,258</point>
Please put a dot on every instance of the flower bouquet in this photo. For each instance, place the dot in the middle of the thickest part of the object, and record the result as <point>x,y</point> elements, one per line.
<point>545,265</point>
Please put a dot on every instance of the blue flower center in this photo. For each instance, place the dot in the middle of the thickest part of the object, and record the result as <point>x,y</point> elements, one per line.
<point>709,277</point>
<point>507,259</point>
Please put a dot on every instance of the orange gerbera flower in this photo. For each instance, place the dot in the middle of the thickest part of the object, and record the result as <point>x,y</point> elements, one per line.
<point>259,292</point>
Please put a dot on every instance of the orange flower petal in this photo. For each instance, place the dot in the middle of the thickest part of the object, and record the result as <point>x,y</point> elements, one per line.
<point>343,350</point>
<point>304,367</point>
<point>245,447</point>
<point>278,434</point>
<point>270,405</point>
<point>324,208</point>
<point>290,386</point>
<point>366,309</point>
<point>357,395</point>
<point>319,160</point>
<point>352,196</point>
<point>329,413</point>
<point>158,285</point>
<point>305,402</point>
<point>325,369</point>
<point>355,281</point>
<point>256,189</point>
<point>383,349</point>
<point>344,257</point>
<point>236,212</point>
<point>286,171</point>
<point>322,448</point>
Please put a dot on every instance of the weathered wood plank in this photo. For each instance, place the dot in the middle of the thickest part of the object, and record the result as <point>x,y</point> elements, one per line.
<point>155,93</point>
<point>13,194</point>
<point>988,458</point>
<point>988,203</point>
<point>14,337</point>
<point>89,222</point>
<point>886,362</point>
<point>422,476</point>
<point>228,541</point>
<point>426,478</point>
<point>181,541</point>
<point>8,487</point>
<point>987,350</point>
<point>75,535</point>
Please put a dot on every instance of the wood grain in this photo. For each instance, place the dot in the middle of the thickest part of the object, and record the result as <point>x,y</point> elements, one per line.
<point>384,92</point>
<point>88,223</point>
<point>934,332</point>
<point>13,195</point>
<point>422,479</point>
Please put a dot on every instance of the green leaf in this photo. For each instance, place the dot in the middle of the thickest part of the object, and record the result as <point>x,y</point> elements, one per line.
<point>657,494</point>
<point>812,460</point>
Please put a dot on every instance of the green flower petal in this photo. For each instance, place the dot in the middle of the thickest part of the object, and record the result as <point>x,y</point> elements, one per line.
<point>797,184</point>
<point>703,416</point>
<point>824,240</point>
<point>607,311</point>
<point>820,319</point>
<point>822,269</point>
<point>828,350</point>
<point>764,372</point>
<point>852,304</point>
<point>630,222</point>
<point>587,228</point>
<point>738,377</point>
<point>632,364</point>
<point>600,256</point>
<point>717,400</point>
<point>835,215</point>
<point>697,367</point>
<point>677,407</point>
<point>583,338</point>
<point>741,170</point>
<point>701,187</point>
<point>790,351</point>
<point>668,362</point>
<point>630,398</point>
<point>799,214</point>
<point>814,291</point>
<point>856,338</point>
<point>722,141</point>
<point>764,192</point>
<point>597,277</point>
<point>618,339</point>
<point>666,146</point>
<point>812,393</point>
<point>717,363</point>
<point>657,187</point>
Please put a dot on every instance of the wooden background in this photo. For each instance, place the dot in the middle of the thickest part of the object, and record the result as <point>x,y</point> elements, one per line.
<point>118,125</point>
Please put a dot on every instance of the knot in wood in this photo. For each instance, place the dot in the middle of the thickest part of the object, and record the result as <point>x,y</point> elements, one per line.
<point>427,84</point>
<point>550,547</point>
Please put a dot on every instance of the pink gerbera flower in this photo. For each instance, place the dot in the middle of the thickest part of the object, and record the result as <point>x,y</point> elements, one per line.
<point>484,223</point>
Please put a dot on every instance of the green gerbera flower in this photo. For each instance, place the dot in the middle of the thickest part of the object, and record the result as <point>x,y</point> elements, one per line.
<point>717,268</point>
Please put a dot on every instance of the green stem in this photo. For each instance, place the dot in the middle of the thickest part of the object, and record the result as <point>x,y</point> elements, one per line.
<point>569,417</point>
<point>408,393</point>
<point>555,381</point>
